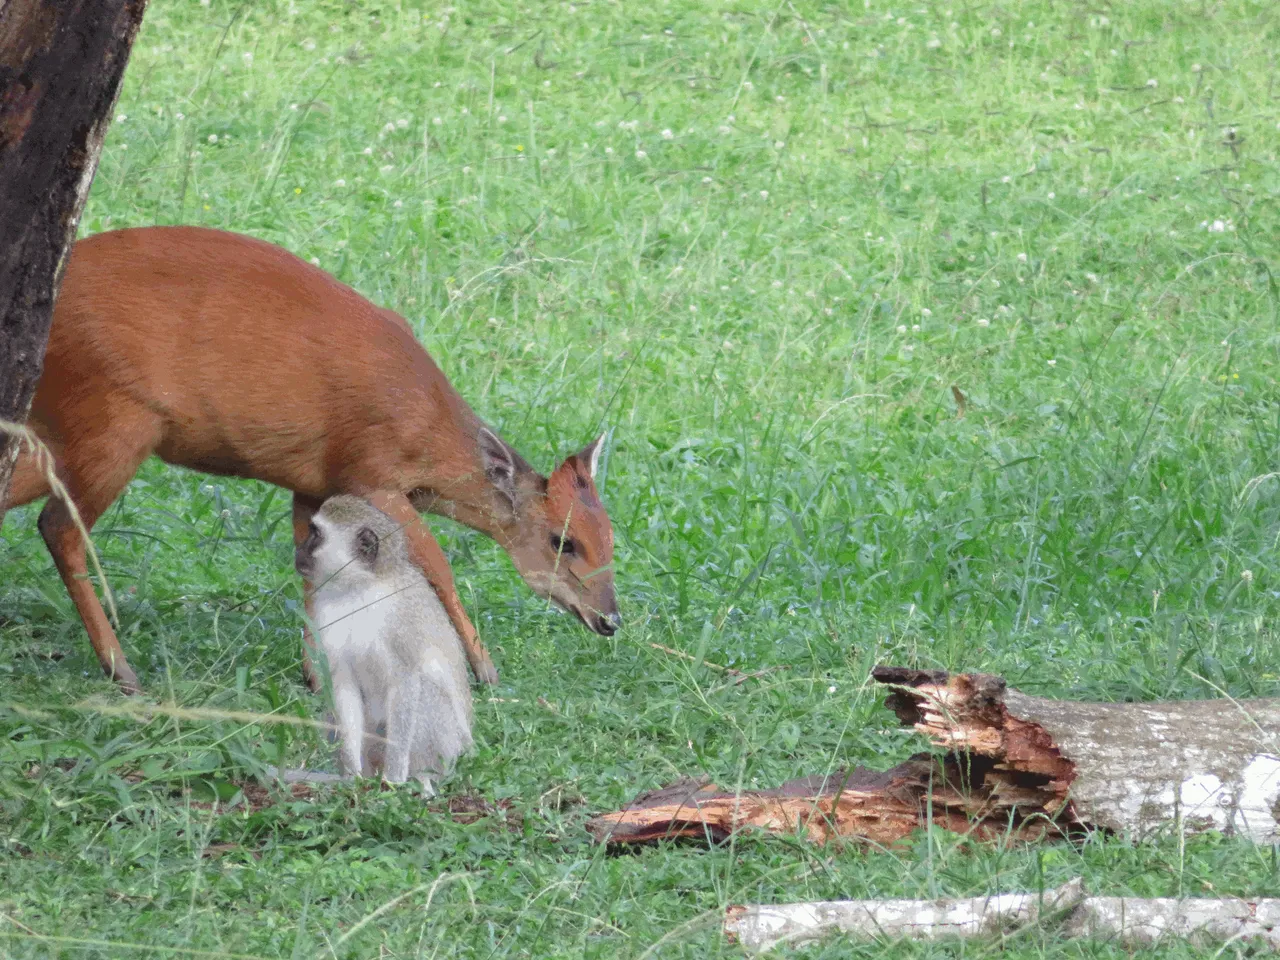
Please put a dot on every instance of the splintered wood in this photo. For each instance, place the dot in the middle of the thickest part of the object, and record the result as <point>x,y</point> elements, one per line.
<point>1012,766</point>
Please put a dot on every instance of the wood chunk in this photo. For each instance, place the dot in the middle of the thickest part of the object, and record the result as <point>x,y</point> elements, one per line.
<point>1012,766</point>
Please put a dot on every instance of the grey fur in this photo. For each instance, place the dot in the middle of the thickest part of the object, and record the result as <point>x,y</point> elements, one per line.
<point>401,695</point>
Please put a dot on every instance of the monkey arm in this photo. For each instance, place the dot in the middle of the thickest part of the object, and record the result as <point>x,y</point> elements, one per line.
<point>427,554</point>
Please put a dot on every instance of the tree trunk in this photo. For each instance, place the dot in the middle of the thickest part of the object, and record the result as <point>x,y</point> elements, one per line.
<point>1013,766</point>
<point>61,63</point>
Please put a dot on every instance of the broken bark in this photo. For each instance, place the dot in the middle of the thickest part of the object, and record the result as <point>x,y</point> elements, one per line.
<point>1129,921</point>
<point>1126,767</point>
<point>1013,766</point>
<point>61,63</point>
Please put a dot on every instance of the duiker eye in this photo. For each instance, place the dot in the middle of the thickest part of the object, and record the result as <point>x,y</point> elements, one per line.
<point>563,545</point>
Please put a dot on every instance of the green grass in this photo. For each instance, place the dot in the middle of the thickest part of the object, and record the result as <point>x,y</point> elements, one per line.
<point>769,241</point>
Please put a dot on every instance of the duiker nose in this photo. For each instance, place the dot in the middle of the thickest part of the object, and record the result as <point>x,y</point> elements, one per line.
<point>607,625</point>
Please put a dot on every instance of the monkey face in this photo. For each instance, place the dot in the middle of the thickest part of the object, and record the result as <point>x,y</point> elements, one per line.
<point>332,556</point>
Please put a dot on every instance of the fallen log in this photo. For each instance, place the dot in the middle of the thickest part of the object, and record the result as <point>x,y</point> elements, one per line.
<point>1011,765</point>
<point>1129,921</point>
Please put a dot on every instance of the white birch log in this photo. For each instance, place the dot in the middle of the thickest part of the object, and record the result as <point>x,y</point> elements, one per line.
<point>1130,921</point>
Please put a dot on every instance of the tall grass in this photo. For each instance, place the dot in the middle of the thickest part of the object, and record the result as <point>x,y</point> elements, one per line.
<point>941,335</point>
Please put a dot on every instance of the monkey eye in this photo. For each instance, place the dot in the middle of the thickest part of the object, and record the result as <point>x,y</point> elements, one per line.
<point>563,545</point>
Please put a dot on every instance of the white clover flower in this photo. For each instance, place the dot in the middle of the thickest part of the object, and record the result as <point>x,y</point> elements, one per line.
<point>831,689</point>
<point>725,130</point>
<point>466,170</point>
<point>915,328</point>
<point>1006,179</point>
<point>367,151</point>
<point>315,261</point>
<point>1052,363</point>
<point>926,312</point>
<point>777,284</point>
<point>385,168</point>
<point>933,44</point>
<point>1246,576</point>
<point>779,144</point>
<point>551,151</point>
<point>398,204</point>
<point>984,322</point>
<point>308,44</point>
<point>902,328</point>
<point>1217,226</point>
<point>707,180</point>
<point>1153,83</point>
<point>667,134</point>
<point>1195,68</point>
<point>436,121</point>
<point>1052,195</point>
<point>213,138</point>
<point>502,118</point>
<point>247,56</point>
<point>608,149</point>
<point>764,194</point>
<point>402,123</point>
<point>640,154</point>
<point>339,182</point>
<point>1022,258</point>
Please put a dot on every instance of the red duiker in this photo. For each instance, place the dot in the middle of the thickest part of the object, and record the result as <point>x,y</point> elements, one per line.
<point>229,355</point>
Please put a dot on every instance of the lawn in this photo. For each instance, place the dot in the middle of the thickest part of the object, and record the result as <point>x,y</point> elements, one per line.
<point>939,335</point>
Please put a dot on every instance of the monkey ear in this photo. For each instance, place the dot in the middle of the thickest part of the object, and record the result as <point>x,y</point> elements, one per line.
<point>367,545</point>
<point>590,454</point>
<point>499,464</point>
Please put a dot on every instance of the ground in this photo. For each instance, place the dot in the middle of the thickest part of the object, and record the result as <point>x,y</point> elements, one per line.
<point>935,335</point>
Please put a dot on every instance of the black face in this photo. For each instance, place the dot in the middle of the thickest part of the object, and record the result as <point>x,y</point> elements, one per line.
<point>304,558</point>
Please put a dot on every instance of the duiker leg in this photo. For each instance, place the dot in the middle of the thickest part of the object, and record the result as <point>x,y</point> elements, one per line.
<point>427,554</point>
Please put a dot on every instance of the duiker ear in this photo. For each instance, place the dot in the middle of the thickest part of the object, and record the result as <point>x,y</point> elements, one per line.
<point>367,546</point>
<point>499,464</point>
<point>590,454</point>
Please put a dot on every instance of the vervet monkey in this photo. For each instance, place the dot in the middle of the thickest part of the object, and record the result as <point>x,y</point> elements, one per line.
<point>395,659</point>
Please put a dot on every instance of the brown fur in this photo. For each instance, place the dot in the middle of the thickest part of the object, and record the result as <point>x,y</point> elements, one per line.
<point>226,354</point>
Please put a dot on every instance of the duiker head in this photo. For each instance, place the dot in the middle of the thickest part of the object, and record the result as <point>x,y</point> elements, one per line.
<point>559,536</point>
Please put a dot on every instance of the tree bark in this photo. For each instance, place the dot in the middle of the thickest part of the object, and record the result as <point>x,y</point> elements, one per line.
<point>1131,768</point>
<point>1012,766</point>
<point>61,63</point>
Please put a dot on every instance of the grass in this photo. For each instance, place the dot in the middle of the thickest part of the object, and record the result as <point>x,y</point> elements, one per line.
<point>762,243</point>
